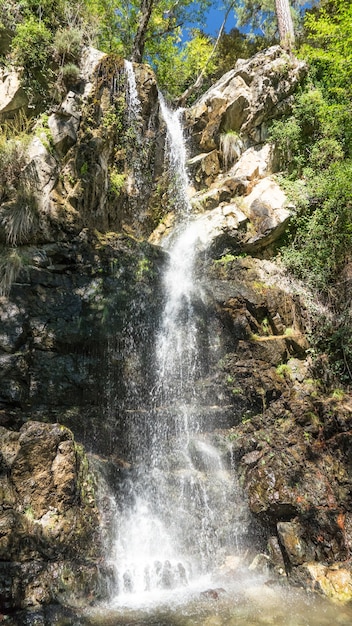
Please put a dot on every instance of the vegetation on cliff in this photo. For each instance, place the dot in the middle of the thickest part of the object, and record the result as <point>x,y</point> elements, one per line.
<point>315,145</point>
<point>45,39</point>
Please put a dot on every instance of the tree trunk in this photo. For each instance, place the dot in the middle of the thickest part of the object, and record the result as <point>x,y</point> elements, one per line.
<point>143,21</point>
<point>286,32</point>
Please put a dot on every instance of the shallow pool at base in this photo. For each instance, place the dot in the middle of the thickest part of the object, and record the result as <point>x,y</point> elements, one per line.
<point>252,604</point>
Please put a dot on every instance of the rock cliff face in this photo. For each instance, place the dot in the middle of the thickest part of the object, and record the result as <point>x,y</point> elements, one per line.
<point>50,544</point>
<point>79,310</point>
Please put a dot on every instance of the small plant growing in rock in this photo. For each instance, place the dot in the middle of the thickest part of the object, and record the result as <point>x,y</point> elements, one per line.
<point>68,43</point>
<point>231,147</point>
<point>266,326</point>
<point>117,181</point>
<point>283,370</point>
<point>70,74</point>
<point>224,260</point>
<point>289,331</point>
<point>20,217</point>
<point>13,151</point>
<point>143,268</point>
<point>10,265</point>
<point>338,394</point>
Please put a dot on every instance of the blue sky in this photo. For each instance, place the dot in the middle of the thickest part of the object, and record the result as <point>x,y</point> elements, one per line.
<point>215,18</point>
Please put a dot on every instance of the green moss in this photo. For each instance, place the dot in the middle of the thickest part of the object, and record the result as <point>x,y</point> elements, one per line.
<point>338,394</point>
<point>283,370</point>
<point>225,260</point>
<point>144,268</point>
<point>116,181</point>
<point>266,326</point>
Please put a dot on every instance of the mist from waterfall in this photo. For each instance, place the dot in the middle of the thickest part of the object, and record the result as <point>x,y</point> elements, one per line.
<point>177,518</point>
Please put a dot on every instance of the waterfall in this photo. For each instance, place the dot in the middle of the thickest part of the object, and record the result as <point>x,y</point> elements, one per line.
<point>175,150</point>
<point>134,106</point>
<point>135,182</point>
<point>177,518</point>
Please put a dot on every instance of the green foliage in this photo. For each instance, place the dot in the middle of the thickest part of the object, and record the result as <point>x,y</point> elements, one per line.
<point>12,161</point>
<point>323,235</point>
<point>236,45</point>
<point>225,260</point>
<point>315,150</point>
<point>31,45</point>
<point>329,46</point>
<point>44,36</point>
<point>261,16</point>
<point>177,66</point>
<point>68,43</point>
<point>70,73</point>
<point>116,182</point>
<point>283,370</point>
<point>20,217</point>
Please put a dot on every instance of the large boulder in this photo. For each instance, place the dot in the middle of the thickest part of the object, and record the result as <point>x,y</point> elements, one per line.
<point>12,96</point>
<point>49,519</point>
<point>246,224</point>
<point>244,99</point>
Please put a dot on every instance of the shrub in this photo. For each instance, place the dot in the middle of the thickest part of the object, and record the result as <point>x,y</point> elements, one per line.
<point>70,74</point>
<point>68,43</point>
<point>31,45</point>
<point>117,182</point>
<point>20,217</point>
<point>12,161</point>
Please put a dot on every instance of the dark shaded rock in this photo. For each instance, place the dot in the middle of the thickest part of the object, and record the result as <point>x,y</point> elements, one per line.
<point>67,334</point>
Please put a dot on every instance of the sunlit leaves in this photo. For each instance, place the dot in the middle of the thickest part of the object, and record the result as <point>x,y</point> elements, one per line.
<point>178,65</point>
<point>329,47</point>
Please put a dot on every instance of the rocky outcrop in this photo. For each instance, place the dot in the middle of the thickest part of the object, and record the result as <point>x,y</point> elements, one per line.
<point>49,519</point>
<point>292,438</point>
<point>63,330</point>
<point>12,96</point>
<point>231,163</point>
<point>246,98</point>
<point>83,165</point>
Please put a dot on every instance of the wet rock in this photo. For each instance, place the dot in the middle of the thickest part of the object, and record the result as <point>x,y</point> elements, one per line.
<point>335,581</point>
<point>275,555</point>
<point>260,563</point>
<point>213,593</point>
<point>291,535</point>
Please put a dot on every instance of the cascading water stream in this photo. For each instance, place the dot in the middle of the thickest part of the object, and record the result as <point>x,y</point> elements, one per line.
<point>133,102</point>
<point>171,525</point>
